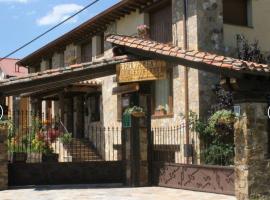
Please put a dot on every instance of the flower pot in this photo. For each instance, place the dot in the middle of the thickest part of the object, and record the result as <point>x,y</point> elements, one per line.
<point>18,157</point>
<point>138,114</point>
<point>49,158</point>
<point>160,112</point>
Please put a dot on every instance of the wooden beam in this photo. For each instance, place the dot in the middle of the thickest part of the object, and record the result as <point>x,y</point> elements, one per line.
<point>61,80</point>
<point>124,89</point>
<point>80,89</point>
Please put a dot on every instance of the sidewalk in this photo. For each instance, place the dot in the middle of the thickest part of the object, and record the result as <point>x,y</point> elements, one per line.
<point>106,192</point>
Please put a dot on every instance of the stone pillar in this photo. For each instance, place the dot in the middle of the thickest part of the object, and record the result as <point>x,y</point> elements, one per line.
<point>204,24</point>
<point>3,158</point>
<point>205,33</point>
<point>252,164</point>
<point>135,147</point>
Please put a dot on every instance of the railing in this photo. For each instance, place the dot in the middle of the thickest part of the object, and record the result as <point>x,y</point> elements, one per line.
<point>32,138</point>
<point>168,145</point>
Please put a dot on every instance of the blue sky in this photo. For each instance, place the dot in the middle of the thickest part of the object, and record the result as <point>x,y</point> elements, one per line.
<point>22,20</point>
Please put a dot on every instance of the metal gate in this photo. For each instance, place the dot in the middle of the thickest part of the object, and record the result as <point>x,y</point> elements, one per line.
<point>168,168</point>
<point>42,152</point>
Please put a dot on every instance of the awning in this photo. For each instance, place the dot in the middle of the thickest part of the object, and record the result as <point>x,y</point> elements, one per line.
<point>54,79</point>
<point>193,59</point>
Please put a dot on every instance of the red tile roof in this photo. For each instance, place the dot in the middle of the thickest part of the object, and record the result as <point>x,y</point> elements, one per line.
<point>196,57</point>
<point>8,66</point>
<point>55,77</point>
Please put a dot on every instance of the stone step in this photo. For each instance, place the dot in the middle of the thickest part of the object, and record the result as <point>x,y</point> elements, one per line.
<point>82,150</point>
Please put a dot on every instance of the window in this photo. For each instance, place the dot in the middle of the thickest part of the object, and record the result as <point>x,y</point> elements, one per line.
<point>95,107</point>
<point>237,12</point>
<point>161,24</point>
<point>163,96</point>
<point>86,52</point>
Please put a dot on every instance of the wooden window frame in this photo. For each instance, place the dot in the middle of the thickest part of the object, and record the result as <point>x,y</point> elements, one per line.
<point>170,98</point>
<point>154,10</point>
<point>247,22</point>
<point>83,57</point>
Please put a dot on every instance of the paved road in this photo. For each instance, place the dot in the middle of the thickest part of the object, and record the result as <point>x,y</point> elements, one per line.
<point>105,192</point>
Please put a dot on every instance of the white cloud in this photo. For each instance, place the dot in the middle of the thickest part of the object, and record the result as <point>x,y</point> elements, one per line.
<point>14,1</point>
<point>59,13</point>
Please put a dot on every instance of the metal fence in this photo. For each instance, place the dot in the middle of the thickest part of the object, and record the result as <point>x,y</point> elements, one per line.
<point>34,138</point>
<point>168,144</point>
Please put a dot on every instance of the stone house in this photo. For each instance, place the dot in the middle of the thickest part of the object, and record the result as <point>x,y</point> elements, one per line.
<point>9,69</point>
<point>209,25</point>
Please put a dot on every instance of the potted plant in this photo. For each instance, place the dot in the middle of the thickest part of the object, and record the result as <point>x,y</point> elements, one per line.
<point>48,155</point>
<point>143,31</point>
<point>15,143</point>
<point>222,122</point>
<point>160,111</point>
<point>135,111</point>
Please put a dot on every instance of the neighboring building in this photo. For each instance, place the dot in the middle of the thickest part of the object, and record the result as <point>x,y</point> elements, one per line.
<point>9,69</point>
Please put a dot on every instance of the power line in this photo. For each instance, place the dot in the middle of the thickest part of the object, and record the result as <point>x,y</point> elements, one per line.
<point>49,30</point>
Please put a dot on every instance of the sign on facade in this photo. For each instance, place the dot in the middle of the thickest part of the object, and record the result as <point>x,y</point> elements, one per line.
<point>141,71</point>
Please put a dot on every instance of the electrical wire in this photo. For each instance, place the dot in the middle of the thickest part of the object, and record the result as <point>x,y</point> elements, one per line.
<point>49,30</point>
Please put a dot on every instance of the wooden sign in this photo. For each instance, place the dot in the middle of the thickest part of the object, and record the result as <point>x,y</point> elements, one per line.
<point>141,71</point>
<point>134,87</point>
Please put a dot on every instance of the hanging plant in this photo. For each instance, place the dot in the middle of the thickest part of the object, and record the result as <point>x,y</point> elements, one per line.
<point>136,111</point>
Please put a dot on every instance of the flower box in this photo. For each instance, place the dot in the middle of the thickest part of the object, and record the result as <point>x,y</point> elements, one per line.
<point>18,157</point>
<point>49,158</point>
<point>138,114</point>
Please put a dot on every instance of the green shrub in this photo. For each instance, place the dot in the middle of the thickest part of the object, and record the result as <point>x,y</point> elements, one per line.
<point>217,137</point>
<point>66,138</point>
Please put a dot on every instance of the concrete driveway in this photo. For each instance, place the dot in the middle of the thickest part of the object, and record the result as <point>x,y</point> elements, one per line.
<point>105,192</point>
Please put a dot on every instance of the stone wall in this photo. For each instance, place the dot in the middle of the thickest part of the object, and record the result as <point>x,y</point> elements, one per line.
<point>252,165</point>
<point>3,159</point>
<point>205,32</point>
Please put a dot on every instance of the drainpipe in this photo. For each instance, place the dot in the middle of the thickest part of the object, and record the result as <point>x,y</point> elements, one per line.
<point>185,46</point>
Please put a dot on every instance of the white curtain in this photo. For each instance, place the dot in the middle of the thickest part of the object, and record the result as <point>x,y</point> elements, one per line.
<point>162,93</point>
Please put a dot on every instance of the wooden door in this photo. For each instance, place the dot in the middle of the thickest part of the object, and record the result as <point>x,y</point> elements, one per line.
<point>161,24</point>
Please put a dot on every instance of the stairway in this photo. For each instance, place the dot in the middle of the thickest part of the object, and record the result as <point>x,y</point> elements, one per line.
<point>81,150</point>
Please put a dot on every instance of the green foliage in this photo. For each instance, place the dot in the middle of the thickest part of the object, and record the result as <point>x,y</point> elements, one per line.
<point>221,154</point>
<point>47,150</point>
<point>38,145</point>
<point>133,109</point>
<point>66,138</point>
<point>217,137</point>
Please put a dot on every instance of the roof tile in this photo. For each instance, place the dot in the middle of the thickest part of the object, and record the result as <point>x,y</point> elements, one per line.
<point>213,60</point>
